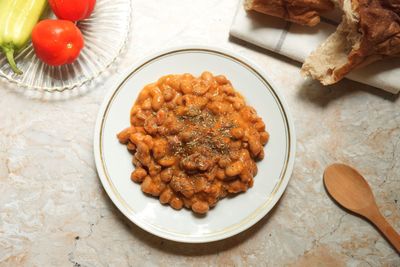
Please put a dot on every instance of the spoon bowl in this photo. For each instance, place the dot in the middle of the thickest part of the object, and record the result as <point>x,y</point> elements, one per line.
<point>349,188</point>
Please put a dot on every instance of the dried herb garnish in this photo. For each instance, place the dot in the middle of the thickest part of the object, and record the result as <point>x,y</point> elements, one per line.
<point>206,136</point>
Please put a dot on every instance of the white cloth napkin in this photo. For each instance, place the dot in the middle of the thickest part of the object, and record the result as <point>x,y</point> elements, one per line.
<point>297,42</point>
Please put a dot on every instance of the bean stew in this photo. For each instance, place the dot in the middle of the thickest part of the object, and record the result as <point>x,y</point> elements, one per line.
<point>193,140</point>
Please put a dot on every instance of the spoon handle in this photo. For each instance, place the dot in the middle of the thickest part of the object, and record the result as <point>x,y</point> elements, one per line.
<point>392,236</point>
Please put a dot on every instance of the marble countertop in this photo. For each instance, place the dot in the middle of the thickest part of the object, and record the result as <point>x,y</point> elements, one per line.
<point>54,211</point>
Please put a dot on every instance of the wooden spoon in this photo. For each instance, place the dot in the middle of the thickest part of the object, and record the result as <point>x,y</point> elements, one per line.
<point>352,191</point>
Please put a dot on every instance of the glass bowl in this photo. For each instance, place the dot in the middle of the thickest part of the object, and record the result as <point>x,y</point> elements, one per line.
<point>105,34</point>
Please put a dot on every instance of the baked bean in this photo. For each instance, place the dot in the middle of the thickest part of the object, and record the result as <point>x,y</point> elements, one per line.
<point>182,185</point>
<point>148,140</point>
<point>235,145</point>
<point>255,146</point>
<point>224,162</point>
<point>186,87</point>
<point>187,76</point>
<point>163,80</point>
<point>123,136</point>
<point>234,169</point>
<point>193,140</point>
<point>147,185</point>
<point>170,105</point>
<point>237,102</point>
<point>250,183</point>
<point>253,167</point>
<point>200,88</point>
<point>131,146</point>
<point>157,102</point>
<point>207,76</point>
<point>188,164</point>
<point>221,79</point>
<point>136,163</point>
<point>174,82</point>
<point>244,155</point>
<point>187,202</point>
<point>145,93</point>
<point>187,100</point>
<point>260,126</point>
<point>146,105</point>
<point>141,115</point>
<point>264,137</point>
<point>154,169</point>
<point>166,196</point>
<point>249,114</point>
<point>210,175</point>
<point>200,183</point>
<point>200,207</point>
<point>135,121</point>
<point>245,176</point>
<point>150,125</point>
<point>221,174</point>
<point>226,140</point>
<point>217,98</point>
<point>167,161</point>
<point>136,137</point>
<point>236,187</point>
<point>213,201</point>
<point>143,153</point>
<point>202,102</point>
<point>173,126</point>
<point>176,101</point>
<point>181,110</point>
<point>166,175</point>
<point>135,110</point>
<point>138,175</point>
<point>237,133</point>
<point>168,93</point>
<point>176,203</point>
<point>261,155</point>
<point>215,190</point>
<point>161,116</point>
<point>218,107</point>
<point>234,154</point>
<point>150,187</point>
<point>162,130</point>
<point>238,105</point>
<point>245,137</point>
<point>232,99</point>
<point>196,161</point>
<point>140,130</point>
<point>160,148</point>
<point>186,136</point>
<point>228,89</point>
<point>209,95</point>
<point>194,102</point>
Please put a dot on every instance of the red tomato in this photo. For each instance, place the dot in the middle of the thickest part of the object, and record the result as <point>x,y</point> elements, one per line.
<point>57,42</point>
<point>73,10</point>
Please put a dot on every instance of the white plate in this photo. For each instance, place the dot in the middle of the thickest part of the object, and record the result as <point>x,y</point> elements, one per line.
<point>231,215</point>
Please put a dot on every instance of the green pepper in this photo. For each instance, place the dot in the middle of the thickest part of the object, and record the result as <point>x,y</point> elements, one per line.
<point>17,19</point>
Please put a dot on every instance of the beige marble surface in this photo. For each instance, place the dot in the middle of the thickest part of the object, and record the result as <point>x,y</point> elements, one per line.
<point>54,212</point>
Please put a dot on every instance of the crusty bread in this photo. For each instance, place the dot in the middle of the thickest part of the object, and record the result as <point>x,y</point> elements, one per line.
<point>304,12</point>
<point>369,31</point>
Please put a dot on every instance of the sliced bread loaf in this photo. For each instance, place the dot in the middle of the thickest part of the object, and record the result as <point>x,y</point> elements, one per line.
<point>369,31</point>
<point>304,12</point>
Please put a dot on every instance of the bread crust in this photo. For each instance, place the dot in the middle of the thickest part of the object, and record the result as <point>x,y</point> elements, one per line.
<point>304,12</point>
<point>371,29</point>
